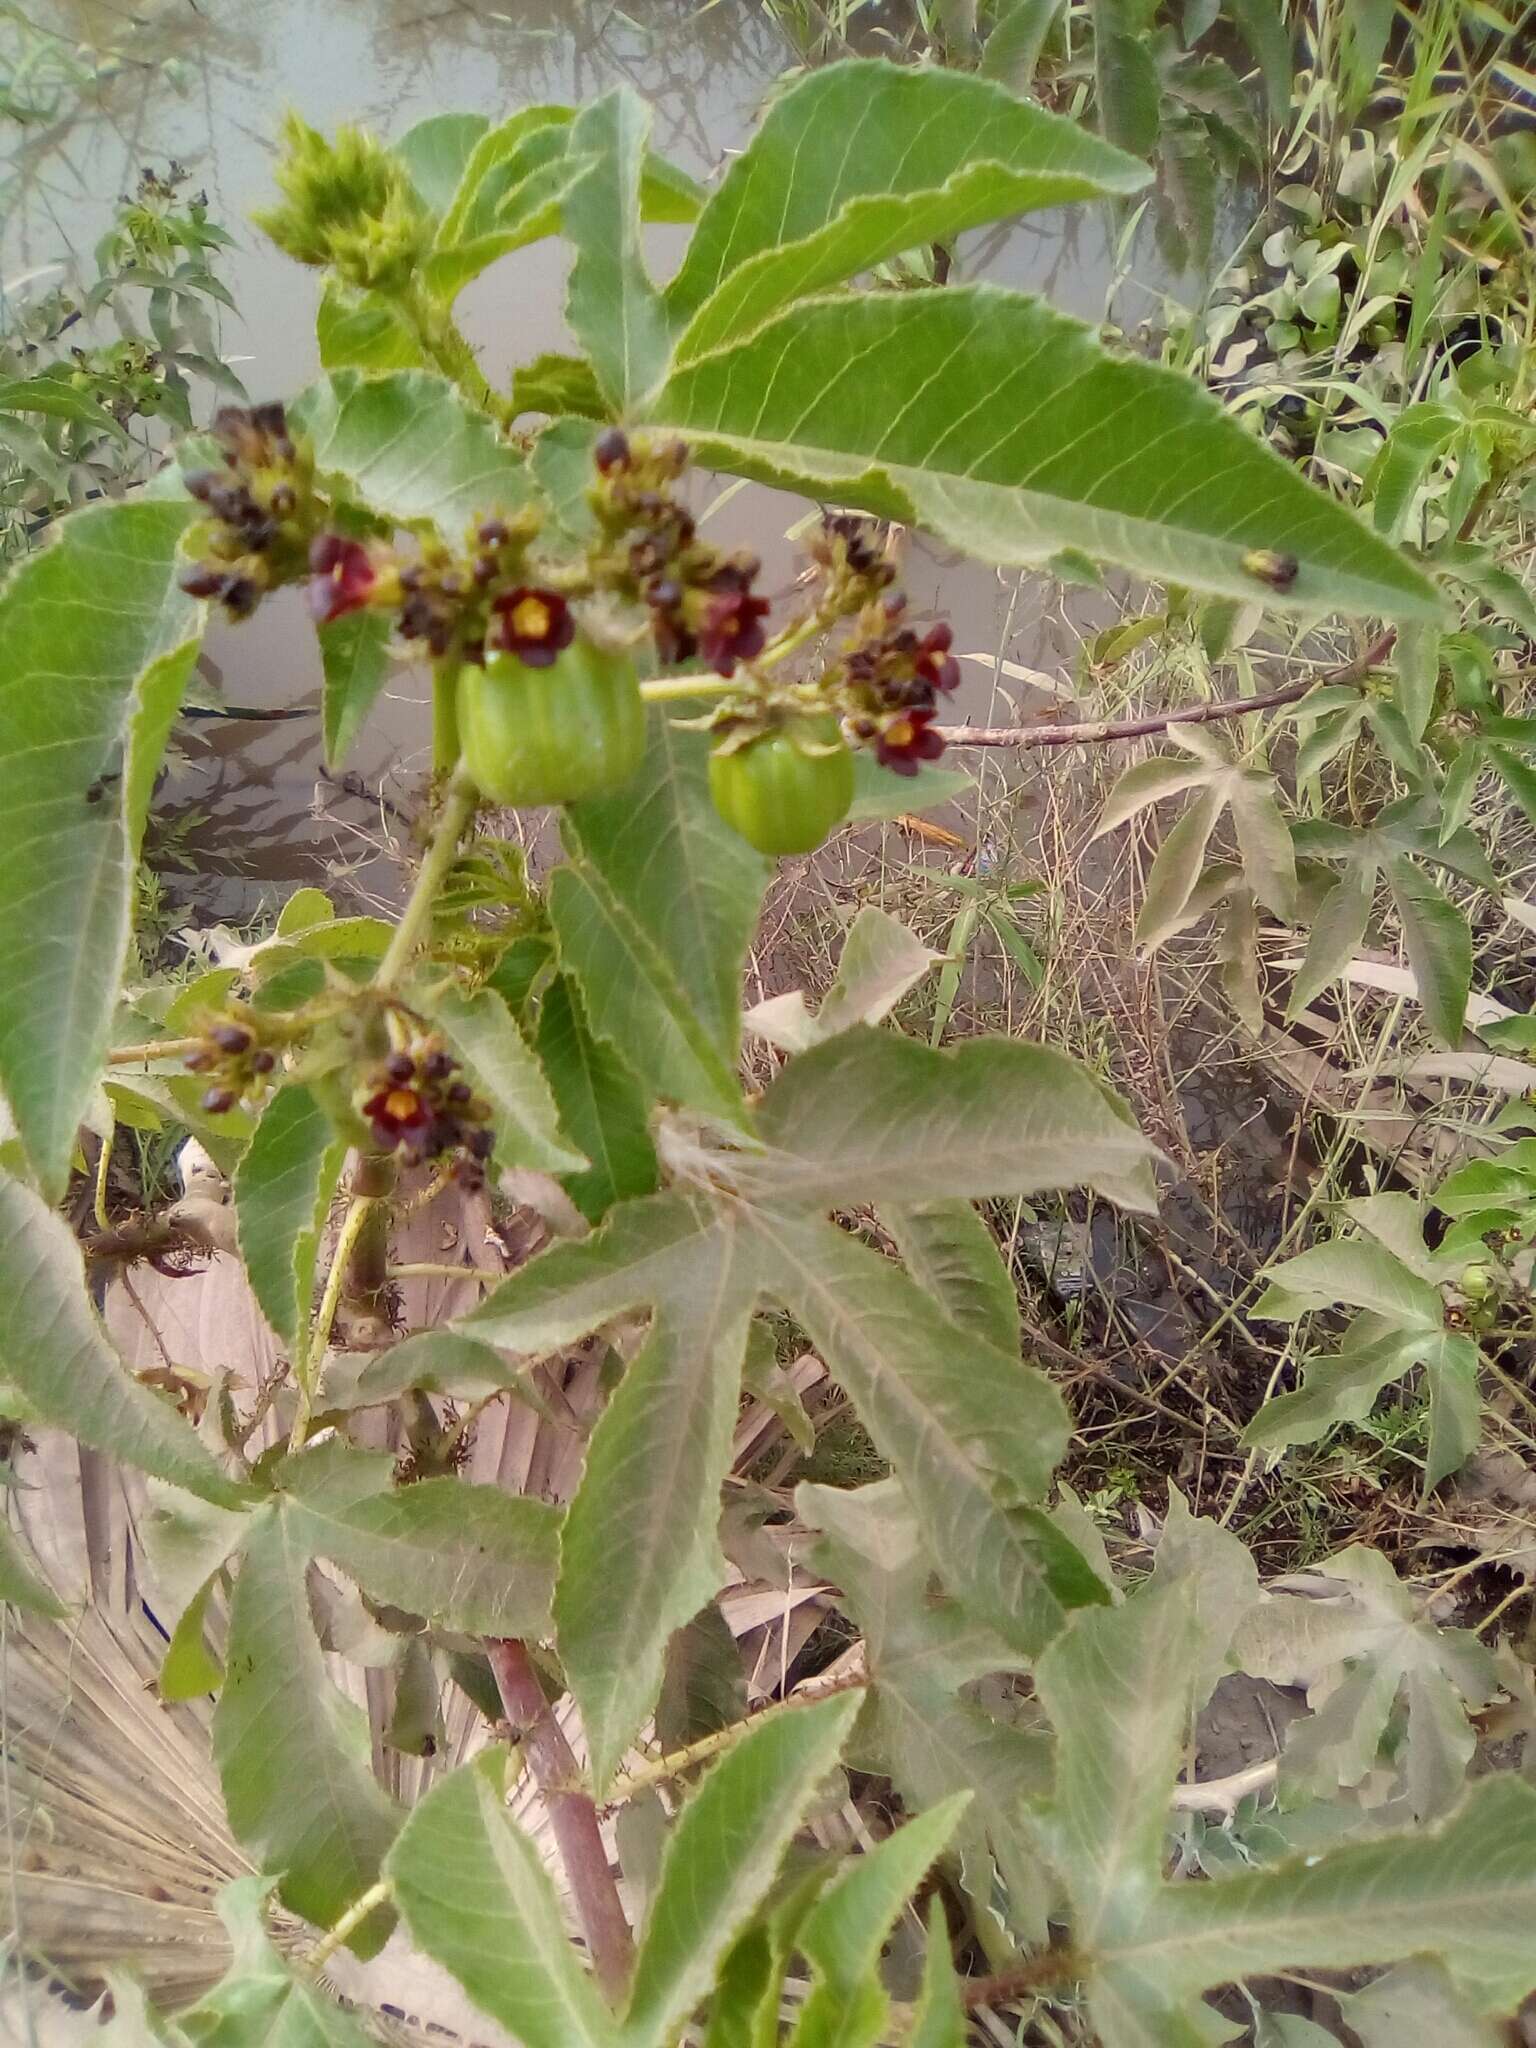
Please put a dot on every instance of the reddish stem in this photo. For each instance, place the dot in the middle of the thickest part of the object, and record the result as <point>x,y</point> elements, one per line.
<point>1093,732</point>
<point>572,1814</point>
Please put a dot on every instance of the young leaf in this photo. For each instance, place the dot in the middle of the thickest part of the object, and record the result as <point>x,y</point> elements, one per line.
<point>476,1897</point>
<point>859,161</point>
<point>850,398</point>
<point>1350,1273</point>
<point>952,1255</point>
<point>1418,434</point>
<point>600,1104</point>
<point>354,650</point>
<point>409,448</point>
<point>482,1032</point>
<point>691,884</point>
<point>1418,675</point>
<point>465,1557</point>
<point>284,1186</point>
<point>639,1552</point>
<point>1175,870</point>
<point>1439,945</point>
<point>293,1754</point>
<point>20,1585</point>
<point>364,331</point>
<point>722,1857</point>
<point>880,961</point>
<point>1359,1641</point>
<point>614,310</point>
<point>98,642</point>
<point>870,1110</point>
<point>938,2020</point>
<point>55,1353</point>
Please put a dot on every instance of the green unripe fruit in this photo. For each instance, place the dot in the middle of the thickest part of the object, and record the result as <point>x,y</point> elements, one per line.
<point>780,797</point>
<point>551,735</point>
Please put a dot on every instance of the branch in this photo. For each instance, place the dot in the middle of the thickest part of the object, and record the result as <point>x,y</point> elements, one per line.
<point>572,1815</point>
<point>1093,732</point>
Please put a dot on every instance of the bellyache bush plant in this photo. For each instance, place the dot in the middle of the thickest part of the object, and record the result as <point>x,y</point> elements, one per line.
<point>586,1037</point>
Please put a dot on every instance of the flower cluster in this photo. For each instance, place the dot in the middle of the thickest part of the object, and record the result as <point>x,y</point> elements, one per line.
<point>347,202</point>
<point>701,601</point>
<point>259,507</point>
<point>419,1106</point>
<point>231,1055</point>
<point>891,682</point>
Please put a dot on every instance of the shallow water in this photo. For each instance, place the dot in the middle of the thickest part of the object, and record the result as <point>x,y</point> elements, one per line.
<point>204,81</point>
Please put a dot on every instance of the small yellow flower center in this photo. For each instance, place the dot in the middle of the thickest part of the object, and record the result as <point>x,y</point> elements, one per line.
<point>530,618</point>
<point>899,734</point>
<point>401,1104</point>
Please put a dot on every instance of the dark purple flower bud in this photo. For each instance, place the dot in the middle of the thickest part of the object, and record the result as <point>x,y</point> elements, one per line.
<point>231,1038</point>
<point>262,1061</point>
<point>610,451</point>
<point>438,1065</point>
<point>203,581</point>
<point>480,1144</point>
<point>202,484</point>
<point>219,1101</point>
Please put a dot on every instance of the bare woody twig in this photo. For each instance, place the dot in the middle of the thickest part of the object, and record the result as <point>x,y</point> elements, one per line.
<point>572,1815</point>
<point>1093,732</point>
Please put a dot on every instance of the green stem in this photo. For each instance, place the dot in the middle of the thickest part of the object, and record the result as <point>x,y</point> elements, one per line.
<point>680,1760</point>
<point>314,1341</point>
<point>672,689</point>
<point>445,716</point>
<point>376,1895</point>
<point>441,340</point>
<point>459,800</point>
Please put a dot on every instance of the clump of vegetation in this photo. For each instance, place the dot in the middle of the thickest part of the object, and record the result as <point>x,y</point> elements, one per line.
<point>1045,1520</point>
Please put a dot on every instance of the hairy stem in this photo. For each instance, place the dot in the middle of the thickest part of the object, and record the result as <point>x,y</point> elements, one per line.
<point>441,340</point>
<point>445,716</point>
<point>1094,732</point>
<point>376,1895</point>
<point>1043,1971</point>
<point>679,1760</point>
<point>459,800</point>
<point>572,1815</point>
<point>312,1348</point>
<point>672,689</point>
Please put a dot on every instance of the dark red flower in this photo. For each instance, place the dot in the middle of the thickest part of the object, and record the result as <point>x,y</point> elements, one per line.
<point>532,624</point>
<point>342,577</point>
<point>399,1116</point>
<point>935,665</point>
<point>731,630</point>
<point>907,740</point>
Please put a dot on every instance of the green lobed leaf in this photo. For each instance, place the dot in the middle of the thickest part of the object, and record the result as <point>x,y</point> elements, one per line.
<point>557,385</point>
<point>633,995</point>
<point>852,398</point>
<point>1417,436</point>
<point>437,1361</point>
<point>1125,77</point>
<point>691,884</point>
<point>284,1186</point>
<point>1336,935</point>
<point>845,1931</point>
<point>613,309</point>
<point>1176,870</point>
<point>56,1354</point>
<point>600,1104</point>
<point>639,1552</point>
<point>99,641</point>
<point>918,1728</point>
<point>722,1857</point>
<point>476,1897</point>
<point>354,651</point>
<point>1438,941</point>
<point>1262,26</point>
<point>870,1110</point>
<point>859,161</point>
<point>973,1433</point>
<point>293,1754</point>
<point>464,1557</point>
<point>408,447</point>
<point>481,1030</point>
<point>953,1256</point>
